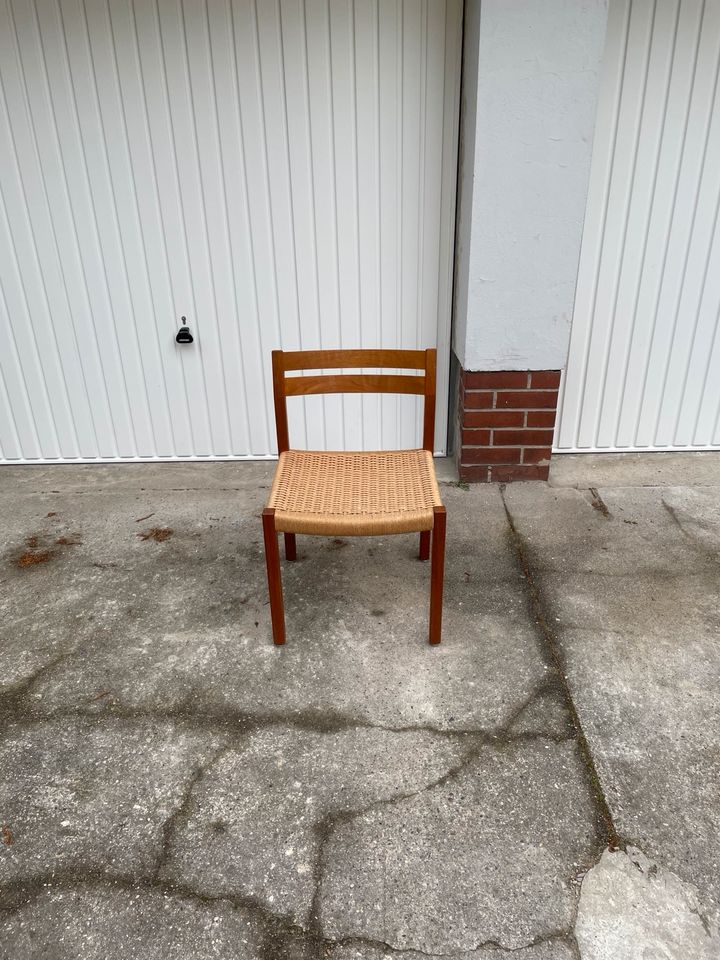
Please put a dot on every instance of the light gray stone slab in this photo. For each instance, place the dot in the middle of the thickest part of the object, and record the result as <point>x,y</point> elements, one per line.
<point>631,907</point>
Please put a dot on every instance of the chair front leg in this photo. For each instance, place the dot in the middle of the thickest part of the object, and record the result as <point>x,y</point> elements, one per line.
<point>437,574</point>
<point>272,560</point>
<point>424,553</point>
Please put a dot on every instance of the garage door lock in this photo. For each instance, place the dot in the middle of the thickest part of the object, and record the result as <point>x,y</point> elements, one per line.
<point>183,334</point>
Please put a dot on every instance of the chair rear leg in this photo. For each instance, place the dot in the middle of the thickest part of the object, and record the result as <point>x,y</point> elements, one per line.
<point>424,553</point>
<point>290,546</point>
<point>272,560</point>
<point>437,575</point>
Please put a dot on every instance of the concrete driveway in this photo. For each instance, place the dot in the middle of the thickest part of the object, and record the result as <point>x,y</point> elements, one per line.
<point>545,785</point>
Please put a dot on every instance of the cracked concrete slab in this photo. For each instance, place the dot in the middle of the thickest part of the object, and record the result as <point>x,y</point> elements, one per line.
<point>355,795</point>
<point>632,600</point>
<point>488,855</point>
<point>78,797</point>
<point>631,907</point>
<point>255,820</point>
<point>110,923</point>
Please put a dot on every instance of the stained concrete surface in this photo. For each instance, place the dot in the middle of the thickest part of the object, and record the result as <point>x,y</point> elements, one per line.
<point>175,786</point>
<point>662,469</point>
<point>632,591</point>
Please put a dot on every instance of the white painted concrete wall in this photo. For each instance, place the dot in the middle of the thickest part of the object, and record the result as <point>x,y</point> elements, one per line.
<point>531,74</point>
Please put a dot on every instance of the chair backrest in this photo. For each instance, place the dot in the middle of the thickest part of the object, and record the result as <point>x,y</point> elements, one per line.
<point>422,385</point>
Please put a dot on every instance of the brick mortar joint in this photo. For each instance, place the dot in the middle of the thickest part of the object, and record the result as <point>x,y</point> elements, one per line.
<point>510,390</point>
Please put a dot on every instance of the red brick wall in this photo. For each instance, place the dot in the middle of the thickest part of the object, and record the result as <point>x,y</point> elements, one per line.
<point>506,421</point>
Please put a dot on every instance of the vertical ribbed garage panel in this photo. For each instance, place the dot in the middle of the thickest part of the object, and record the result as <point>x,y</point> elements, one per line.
<point>282,173</point>
<point>644,364</point>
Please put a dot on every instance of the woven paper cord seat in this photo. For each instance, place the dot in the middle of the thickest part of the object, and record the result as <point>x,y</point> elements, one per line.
<point>354,494</point>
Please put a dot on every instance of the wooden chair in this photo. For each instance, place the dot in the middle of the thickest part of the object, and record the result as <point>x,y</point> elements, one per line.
<point>354,493</point>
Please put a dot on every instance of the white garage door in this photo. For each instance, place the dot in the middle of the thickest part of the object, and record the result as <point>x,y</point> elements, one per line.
<point>280,173</point>
<point>644,365</point>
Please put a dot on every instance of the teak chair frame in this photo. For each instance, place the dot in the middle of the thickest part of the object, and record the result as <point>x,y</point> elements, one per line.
<point>432,542</point>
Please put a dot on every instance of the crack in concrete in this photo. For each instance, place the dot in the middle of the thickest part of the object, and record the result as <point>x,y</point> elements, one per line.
<point>235,729</point>
<point>283,929</point>
<point>326,827</point>
<point>477,742</point>
<point>547,686</point>
<point>181,812</point>
<point>552,651</point>
<point>561,936</point>
<point>593,862</point>
<point>571,940</point>
<point>15,696</point>
<point>12,697</point>
<point>704,920</point>
<point>279,932</point>
<point>697,544</point>
<point>310,721</point>
<point>597,503</point>
<point>19,894</point>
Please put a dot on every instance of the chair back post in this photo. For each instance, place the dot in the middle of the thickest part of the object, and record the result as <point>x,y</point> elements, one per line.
<point>281,420</point>
<point>429,405</point>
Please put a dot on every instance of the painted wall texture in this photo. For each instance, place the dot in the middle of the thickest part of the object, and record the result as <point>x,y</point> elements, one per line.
<point>530,81</point>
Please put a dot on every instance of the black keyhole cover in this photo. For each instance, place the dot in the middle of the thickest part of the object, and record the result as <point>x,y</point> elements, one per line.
<point>183,334</point>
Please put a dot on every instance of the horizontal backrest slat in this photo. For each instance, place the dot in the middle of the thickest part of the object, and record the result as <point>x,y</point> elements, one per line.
<point>344,359</point>
<point>354,383</point>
